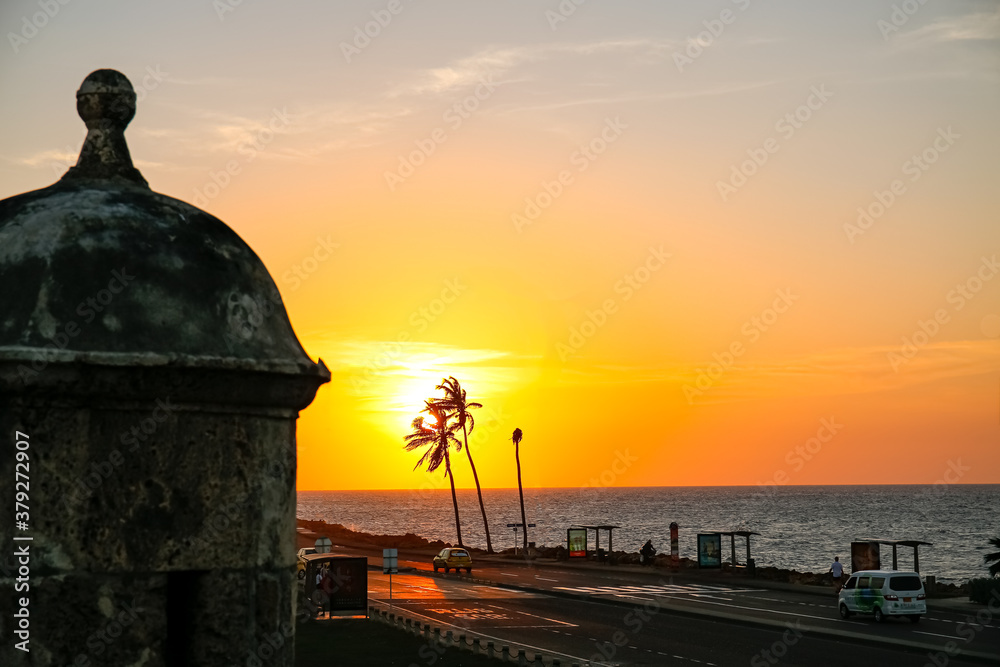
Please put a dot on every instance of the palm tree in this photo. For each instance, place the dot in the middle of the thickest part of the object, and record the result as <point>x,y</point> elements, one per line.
<point>520,490</point>
<point>993,558</point>
<point>439,438</point>
<point>456,402</point>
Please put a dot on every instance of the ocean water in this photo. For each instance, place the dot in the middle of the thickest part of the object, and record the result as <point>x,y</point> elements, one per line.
<point>802,527</point>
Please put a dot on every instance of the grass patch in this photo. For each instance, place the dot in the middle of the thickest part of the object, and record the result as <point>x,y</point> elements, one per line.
<point>359,642</point>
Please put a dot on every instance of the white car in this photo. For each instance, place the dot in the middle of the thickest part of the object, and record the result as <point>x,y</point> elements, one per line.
<point>883,593</point>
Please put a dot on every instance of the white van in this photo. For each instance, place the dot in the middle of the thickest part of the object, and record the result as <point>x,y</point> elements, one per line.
<point>883,593</point>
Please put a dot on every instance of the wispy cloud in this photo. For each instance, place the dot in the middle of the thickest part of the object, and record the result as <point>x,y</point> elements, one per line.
<point>498,62</point>
<point>979,26</point>
<point>392,376</point>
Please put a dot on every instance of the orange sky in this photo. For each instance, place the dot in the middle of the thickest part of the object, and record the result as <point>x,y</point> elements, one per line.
<point>578,218</point>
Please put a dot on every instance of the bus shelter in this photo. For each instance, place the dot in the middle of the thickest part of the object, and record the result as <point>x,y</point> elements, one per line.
<point>337,584</point>
<point>597,536</point>
<point>733,534</point>
<point>874,556</point>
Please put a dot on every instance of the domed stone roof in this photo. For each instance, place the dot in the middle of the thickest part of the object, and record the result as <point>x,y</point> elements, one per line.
<point>99,267</point>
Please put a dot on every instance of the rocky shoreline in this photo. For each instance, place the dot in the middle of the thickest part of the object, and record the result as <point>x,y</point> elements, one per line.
<point>340,534</point>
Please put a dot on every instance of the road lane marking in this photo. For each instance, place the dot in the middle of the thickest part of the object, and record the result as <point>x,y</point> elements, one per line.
<point>714,597</point>
<point>770,611</point>
<point>467,629</point>
<point>553,620</point>
<point>934,634</point>
<point>665,588</point>
<point>508,575</point>
<point>544,579</point>
<point>634,597</point>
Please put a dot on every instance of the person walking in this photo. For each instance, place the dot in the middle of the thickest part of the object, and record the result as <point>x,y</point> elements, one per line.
<point>837,570</point>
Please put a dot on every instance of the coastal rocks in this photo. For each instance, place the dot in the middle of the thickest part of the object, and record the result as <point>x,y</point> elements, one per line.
<point>336,531</point>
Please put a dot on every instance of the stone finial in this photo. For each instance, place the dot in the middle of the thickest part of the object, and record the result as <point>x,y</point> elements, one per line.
<point>106,103</point>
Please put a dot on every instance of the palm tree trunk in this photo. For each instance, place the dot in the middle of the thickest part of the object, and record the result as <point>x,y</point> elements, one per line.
<point>482,507</point>
<point>520,491</point>
<point>454,497</point>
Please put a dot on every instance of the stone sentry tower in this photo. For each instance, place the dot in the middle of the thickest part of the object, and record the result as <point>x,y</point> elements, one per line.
<point>147,359</point>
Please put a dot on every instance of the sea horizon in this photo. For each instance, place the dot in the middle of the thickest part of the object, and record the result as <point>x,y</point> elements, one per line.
<point>800,527</point>
<point>661,486</point>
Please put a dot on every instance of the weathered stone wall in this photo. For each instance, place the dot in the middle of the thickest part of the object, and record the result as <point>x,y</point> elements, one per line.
<point>147,355</point>
<point>163,528</point>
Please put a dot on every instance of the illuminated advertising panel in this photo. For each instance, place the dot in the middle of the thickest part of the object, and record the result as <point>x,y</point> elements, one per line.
<point>865,556</point>
<point>576,542</point>
<point>337,583</point>
<point>709,550</point>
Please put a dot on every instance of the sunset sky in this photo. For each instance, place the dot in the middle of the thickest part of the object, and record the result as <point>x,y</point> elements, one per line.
<point>689,236</point>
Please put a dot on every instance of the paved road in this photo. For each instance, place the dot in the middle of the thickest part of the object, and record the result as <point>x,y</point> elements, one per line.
<point>579,611</point>
<point>581,630</point>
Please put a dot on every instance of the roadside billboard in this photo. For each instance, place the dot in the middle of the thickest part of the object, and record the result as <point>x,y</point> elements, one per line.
<point>865,556</point>
<point>709,550</point>
<point>337,583</point>
<point>576,542</point>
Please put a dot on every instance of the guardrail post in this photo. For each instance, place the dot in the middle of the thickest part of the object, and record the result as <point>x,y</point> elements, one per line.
<point>477,646</point>
<point>505,653</point>
<point>490,650</point>
<point>522,659</point>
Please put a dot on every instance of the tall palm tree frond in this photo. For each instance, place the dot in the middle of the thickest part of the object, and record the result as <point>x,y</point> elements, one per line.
<point>438,438</point>
<point>456,402</point>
